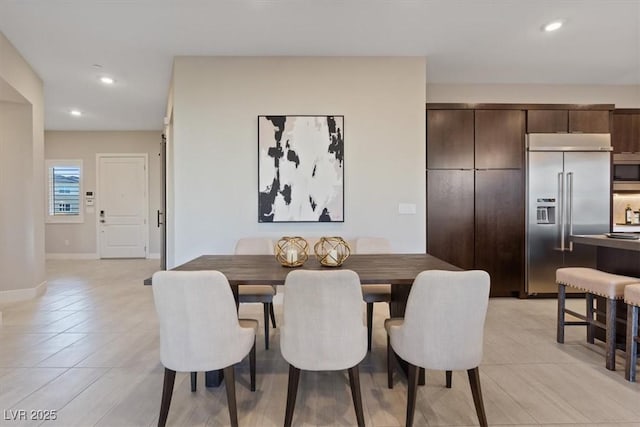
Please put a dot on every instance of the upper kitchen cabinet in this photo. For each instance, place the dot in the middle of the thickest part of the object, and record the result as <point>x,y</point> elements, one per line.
<point>547,121</point>
<point>450,139</point>
<point>625,131</point>
<point>591,119</point>
<point>499,139</point>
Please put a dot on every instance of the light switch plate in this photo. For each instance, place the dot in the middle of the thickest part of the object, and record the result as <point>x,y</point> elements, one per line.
<point>406,208</point>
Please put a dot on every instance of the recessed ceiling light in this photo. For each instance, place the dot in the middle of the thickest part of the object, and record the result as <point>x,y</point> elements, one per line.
<point>76,113</point>
<point>107,80</point>
<point>97,66</point>
<point>553,26</point>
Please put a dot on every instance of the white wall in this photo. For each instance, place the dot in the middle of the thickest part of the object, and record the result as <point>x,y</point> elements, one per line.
<point>16,170</point>
<point>216,101</point>
<point>81,237</point>
<point>169,213</point>
<point>22,272</point>
<point>623,96</point>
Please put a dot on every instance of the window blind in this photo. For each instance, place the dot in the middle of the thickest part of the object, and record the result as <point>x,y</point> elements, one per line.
<point>64,190</point>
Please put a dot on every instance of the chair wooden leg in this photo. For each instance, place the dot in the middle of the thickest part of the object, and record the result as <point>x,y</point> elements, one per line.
<point>252,366</point>
<point>632,344</point>
<point>412,391</point>
<point>272,314</point>
<point>589,320</point>
<point>369,324</point>
<point>610,334</point>
<point>448,378</point>
<point>292,390</point>
<point>562,292</point>
<point>354,381</point>
<point>265,309</point>
<point>476,391</point>
<point>390,357</point>
<point>230,385</point>
<point>422,376</point>
<point>194,381</point>
<point>167,391</point>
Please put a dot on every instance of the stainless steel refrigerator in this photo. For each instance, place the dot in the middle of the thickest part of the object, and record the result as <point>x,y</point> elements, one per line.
<point>568,185</point>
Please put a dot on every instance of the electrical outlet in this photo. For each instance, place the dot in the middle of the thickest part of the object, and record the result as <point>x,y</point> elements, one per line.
<point>406,208</point>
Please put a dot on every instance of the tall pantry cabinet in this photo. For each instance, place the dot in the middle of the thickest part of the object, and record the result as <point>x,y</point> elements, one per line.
<point>475,192</point>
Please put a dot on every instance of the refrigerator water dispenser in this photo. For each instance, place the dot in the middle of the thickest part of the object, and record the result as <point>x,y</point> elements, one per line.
<point>546,211</point>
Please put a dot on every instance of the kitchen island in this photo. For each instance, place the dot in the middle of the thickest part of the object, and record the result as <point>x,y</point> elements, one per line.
<point>603,241</point>
<point>617,256</point>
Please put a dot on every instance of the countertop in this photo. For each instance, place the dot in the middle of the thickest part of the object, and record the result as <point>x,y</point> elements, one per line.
<point>602,240</point>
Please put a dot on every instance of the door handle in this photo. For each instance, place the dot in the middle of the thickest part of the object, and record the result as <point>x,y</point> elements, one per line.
<point>158,218</point>
<point>570,208</point>
<point>560,202</point>
<point>102,221</point>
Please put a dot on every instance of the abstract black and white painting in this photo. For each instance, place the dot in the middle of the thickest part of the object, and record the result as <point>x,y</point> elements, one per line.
<point>301,168</point>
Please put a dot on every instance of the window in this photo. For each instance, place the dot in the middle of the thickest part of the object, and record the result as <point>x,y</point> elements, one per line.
<point>64,191</point>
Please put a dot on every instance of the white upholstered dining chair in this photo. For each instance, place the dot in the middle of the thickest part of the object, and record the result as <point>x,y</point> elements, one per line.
<point>200,331</point>
<point>442,330</point>
<point>258,293</point>
<point>377,292</point>
<point>323,329</point>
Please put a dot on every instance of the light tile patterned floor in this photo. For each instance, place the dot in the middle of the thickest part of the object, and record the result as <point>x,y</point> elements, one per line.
<point>88,349</point>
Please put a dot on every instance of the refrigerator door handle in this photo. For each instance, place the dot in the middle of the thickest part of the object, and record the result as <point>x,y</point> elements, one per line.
<point>570,208</point>
<point>561,228</point>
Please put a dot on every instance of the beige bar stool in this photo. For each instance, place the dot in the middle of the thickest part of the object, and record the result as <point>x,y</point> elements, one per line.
<point>592,282</point>
<point>632,298</point>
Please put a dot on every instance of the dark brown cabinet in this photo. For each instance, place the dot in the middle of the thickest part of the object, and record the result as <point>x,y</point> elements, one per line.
<point>475,178</point>
<point>500,229</point>
<point>563,121</point>
<point>450,139</point>
<point>475,209</point>
<point>499,139</point>
<point>547,121</point>
<point>450,223</point>
<point>625,131</point>
<point>589,121</point>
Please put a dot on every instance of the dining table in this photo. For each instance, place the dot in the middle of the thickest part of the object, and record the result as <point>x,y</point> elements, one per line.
<point>398,270</point>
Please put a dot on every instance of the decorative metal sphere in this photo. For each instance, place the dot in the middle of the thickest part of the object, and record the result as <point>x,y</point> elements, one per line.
<point>332,251</point>
<point>292,251</point>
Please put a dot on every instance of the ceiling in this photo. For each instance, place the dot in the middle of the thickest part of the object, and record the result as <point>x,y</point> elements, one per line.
<point>465,41</point>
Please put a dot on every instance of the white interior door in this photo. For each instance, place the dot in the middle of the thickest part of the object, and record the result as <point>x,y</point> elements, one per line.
<point>122,206</point>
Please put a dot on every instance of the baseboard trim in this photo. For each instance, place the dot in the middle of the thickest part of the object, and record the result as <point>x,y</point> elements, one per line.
<point>154,255</point>
<point>14,295</point>
<point>72,256</point>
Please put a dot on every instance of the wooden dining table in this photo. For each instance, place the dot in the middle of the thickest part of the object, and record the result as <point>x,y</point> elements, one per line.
<point>399,270</point>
